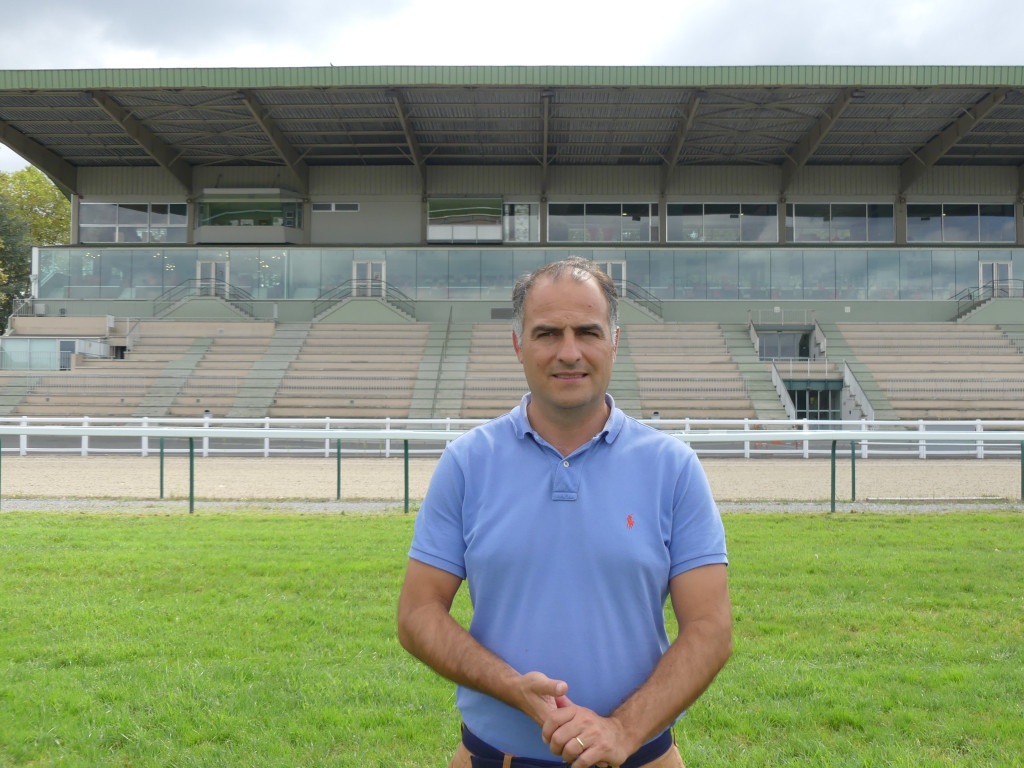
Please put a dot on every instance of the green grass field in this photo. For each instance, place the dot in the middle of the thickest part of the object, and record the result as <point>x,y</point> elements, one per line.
<point>262,639</point>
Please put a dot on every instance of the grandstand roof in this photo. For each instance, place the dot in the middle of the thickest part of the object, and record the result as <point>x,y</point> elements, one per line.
<point>907,117</point>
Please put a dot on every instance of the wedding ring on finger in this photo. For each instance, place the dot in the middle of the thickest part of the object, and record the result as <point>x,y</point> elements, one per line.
<point>580,742</point>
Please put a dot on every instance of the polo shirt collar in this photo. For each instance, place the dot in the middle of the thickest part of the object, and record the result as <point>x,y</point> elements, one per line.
<point>612,427</point>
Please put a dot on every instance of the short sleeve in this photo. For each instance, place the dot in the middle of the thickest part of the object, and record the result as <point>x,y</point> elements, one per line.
<point>698,536</point>
<point>438,539</point>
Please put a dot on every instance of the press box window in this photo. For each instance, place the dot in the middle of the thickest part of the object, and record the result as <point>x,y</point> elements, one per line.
<point>133,222</point>
<point>335,207</point>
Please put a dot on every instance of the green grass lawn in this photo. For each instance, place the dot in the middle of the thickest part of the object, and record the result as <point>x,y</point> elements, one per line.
<point>261,639</point>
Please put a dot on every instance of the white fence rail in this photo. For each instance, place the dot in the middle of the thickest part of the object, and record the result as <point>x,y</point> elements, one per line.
<point>745,438</point>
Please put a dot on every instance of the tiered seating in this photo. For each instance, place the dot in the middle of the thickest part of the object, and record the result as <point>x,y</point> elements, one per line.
<point>942,370</point>
<point>685,370</point>
<point>494,380</point>
<point>349,370</point>
<point>220,374</point>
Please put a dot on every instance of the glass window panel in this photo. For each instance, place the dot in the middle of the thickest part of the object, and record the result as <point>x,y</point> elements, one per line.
<point>638,266</point>
<point>915,274</point>
<point>753,269</point>
<point>464,219</point>
<point>97,213</point>
<point>849,223</point>
<point>966,269</point>
<point>603,222</point>
<point>924,223</point>
<point>881,225</point>
<point>883,274</point>
<point>401,266</point>
<point>691,274</point>
<point>464,274</point>
<point>15,353</point>
<point>723,267</point>
<point>159,215</point>
<point>819,275</point>
<point>132,234</point>
<point>177,214</point>
<point>115,274</point>
<point>133,214</point>
<point>811,222</point>
<point>270,274</point>
<point>721,223</point>
<point>147,267</point>
<point>851,274</point>
<point>525,261</point>
<point>179,266</point>
<point>565,222</point>
<point>759,223</point>
<point>662,274</point>
<point>303,265</point>
<point>97,234</point>
<point>521,223</point>
<point>432,274</point>
<point>84,275</point>
<point>997,224</point>
<point>960,223</point>
<point>636,222</point>
<point>943,274</point>
<point>44,354</point>
<point>786,274</point>
<point>685,222</point>
<point>497,274</point>
<point>53,274</point>
<point>168,235</point>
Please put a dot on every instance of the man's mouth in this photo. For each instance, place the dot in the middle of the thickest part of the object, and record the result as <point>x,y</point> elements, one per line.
<point>570,375</point>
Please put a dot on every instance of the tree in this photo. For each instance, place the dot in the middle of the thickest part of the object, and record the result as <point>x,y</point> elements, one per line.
<point>32,212</point>
<point>35,200</point>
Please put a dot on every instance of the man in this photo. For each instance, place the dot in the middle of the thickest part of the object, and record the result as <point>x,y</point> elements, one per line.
<point>572,524</point>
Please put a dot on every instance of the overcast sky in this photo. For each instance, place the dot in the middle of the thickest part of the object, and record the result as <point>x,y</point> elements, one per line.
<point>77,34</point>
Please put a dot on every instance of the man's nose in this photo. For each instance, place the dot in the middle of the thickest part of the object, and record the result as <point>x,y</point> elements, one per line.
<point>569,349</point>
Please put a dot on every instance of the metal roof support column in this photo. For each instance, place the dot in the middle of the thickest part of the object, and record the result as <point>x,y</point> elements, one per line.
<point>920,161</point>
<point>1018,207</point>
<point>166,157</point>
<point>410,138</point>
<point>545,161</point>
<point>284,149</point>
<point>804,149</point>
<point>679,140</point>
<point>60,171</point>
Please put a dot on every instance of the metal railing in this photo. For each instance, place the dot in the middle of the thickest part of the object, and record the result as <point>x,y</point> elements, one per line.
<point>372,288</point>
<point>205,286</point>
<point>643,298</point>
<point>746,438</point>
<point>969,298</point>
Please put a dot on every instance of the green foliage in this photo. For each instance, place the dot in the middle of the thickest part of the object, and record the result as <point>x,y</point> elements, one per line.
<point>32,212</point>
<point>259,639</point>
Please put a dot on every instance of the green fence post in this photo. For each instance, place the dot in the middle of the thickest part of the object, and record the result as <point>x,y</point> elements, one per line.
<point>833,475</point>
<point>1022,470</point>
<point>406,452</point>
<point>853,470</point>
<point>161,468</point>
<point>191,475</point>
<point>2,454</point>
<point>337,454</point>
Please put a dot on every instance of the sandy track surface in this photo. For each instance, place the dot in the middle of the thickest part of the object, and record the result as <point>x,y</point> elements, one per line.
<point>315,479</point>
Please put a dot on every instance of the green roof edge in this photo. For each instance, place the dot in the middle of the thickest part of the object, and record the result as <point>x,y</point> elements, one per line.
<point>495,76</point>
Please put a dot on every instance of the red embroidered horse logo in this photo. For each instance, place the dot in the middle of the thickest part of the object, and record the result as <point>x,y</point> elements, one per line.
<point>629,521</point>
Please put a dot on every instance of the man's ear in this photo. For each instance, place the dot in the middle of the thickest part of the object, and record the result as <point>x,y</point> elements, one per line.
<point>615,344</point>
<point>515,346</point>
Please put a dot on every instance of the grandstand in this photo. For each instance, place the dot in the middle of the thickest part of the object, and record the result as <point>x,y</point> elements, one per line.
<point>798,242</point>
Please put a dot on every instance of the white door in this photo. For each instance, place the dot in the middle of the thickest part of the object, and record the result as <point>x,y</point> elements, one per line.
<point>994,276</point>
<point>368,278</point>
<point>616,270</point>
<point>212,278</point>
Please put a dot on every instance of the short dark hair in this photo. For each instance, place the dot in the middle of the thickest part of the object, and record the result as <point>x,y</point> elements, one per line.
<point>577,268</point>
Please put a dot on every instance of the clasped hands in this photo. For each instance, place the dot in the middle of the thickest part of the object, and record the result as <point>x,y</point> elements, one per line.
<point>574,733</point>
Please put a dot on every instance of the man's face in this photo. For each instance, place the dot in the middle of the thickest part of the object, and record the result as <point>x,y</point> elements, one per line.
<point>567,348</point>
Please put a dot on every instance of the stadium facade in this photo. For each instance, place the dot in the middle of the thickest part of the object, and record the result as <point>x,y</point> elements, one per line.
<point>769,195</point>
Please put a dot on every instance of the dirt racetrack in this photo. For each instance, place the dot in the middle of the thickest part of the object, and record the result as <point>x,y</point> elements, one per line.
<point>223,478</point>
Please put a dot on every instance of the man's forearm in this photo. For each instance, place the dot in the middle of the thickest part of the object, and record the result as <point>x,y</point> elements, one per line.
<point>680,677</point>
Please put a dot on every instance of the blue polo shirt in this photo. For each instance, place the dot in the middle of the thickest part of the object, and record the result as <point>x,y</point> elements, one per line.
<point>567,559</point>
